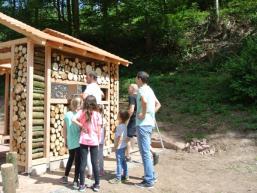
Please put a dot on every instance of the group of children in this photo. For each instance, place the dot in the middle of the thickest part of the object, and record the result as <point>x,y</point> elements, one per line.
<point>84,134</point>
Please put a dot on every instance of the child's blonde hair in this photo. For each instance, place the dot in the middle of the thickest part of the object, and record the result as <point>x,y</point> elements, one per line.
<point>134,87</point>
<point>75,103</point>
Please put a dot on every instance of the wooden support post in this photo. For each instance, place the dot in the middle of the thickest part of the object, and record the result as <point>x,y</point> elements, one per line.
<point>29,107</point>
<point>8,178</point>
<point>6,101</point>
<point>11,98</point>
<point>47,100</point>
<point>118,88</point>
<point>11,157</point>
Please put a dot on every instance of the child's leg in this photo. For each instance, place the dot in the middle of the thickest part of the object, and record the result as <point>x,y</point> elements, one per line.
<point>124,163</point>
<point>83,163</point>
<point>119,163</point>
<point>128,149</point>
<point>77,164</point>
<point>94,159</point>
<point>70,161</point>
<point>101,158</point>
<point>89,165</point>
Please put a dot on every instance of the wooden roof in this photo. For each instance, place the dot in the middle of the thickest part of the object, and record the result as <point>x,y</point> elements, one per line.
<point>60,40</point>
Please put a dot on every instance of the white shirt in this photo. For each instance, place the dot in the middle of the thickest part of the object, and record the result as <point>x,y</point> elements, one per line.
<point>94,89</point>
<point>121,130</point>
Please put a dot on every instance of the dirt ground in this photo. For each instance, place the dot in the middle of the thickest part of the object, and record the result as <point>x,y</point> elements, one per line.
<point>233,169</point>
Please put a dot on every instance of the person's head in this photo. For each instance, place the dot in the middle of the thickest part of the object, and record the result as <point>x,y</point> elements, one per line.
<point>89,105</point>
<point>75,103</point>
<point>132,89</point>
<point>91,77</point>
<point>123,116</point>
<point>142,78</point>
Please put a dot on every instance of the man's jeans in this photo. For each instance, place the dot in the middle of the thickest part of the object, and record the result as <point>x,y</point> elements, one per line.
<point>122,168</point>
<point>144,144</point>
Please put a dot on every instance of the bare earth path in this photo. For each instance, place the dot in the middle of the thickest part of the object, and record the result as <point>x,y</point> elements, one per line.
<point>232,170</point>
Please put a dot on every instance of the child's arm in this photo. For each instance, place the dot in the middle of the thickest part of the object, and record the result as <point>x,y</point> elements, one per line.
<point>76,121</point>
<point>117,142</point>
<point>64,133</point>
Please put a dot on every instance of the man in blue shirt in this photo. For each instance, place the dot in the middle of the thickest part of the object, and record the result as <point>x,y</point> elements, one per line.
<point>147,106</point>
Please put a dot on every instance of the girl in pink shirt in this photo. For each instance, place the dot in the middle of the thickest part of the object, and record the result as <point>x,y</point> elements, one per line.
<point>90,121</point>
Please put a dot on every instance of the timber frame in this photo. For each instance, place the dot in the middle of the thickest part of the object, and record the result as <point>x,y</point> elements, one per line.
<point>38,65</point>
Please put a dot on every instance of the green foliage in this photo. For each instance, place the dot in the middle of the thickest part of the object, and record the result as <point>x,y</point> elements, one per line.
<point>243,10</point>
<point>242,71</point>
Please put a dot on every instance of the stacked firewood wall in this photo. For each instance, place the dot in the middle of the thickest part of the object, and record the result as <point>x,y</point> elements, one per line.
<point>65,67</point>
<point>19,76</point>
<point>57,141</point>
<point>38,103</point>
<point>114,98</point>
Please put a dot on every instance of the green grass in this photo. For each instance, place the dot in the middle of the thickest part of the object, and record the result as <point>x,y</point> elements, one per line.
<point>197,102</point>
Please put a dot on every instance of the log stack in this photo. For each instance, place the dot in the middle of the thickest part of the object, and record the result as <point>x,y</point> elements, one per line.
<point>38,104</point>
<point>67,67</point>
<point>19,101</point>
<point>106,124</point>
<point>57,121</point>
<point>114,98</point>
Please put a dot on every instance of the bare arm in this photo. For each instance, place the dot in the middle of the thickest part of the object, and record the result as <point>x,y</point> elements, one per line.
<point>131,109</point>
<point>64,133</point>
<point>157,105</point>
<point>84,95</point>
<point>117,142</point>
<point>144,107</point>
<point>75,120</point>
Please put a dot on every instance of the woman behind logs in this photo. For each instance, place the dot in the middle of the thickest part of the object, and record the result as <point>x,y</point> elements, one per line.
<point>90,122</point>
<point>71,135</point>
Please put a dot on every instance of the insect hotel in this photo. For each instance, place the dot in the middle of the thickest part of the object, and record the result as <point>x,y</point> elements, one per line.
<point>42,71</point>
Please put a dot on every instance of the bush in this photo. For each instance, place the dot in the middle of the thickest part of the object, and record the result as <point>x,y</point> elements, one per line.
<point>242,71</point>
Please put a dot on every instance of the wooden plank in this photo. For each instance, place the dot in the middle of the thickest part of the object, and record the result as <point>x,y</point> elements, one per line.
<point>29,106</point>
<point>6,55</point>
<point>13,42</point>
<point>5,61</point>
<point>11,98</point>
<point>47,100</point>
<point>58,101</point>
<point>56,158</point>
<point>82,52</point>
<point>109,106</point>
<point>40,161</point>
<point>69,82</point>
<point>6,101</point>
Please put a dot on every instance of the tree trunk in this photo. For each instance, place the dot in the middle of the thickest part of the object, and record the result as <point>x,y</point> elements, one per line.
<point>69,16</point>
<point>217,11</point>
<point>75,13</point>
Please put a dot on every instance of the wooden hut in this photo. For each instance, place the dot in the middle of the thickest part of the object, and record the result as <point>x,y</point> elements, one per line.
<point>46,68</point>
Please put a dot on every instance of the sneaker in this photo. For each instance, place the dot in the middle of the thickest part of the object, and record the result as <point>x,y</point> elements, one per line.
<point>143,184</point>
<point>64,180</point>
<point>124,179</point>
<point>154,180</point>
<point>96,188</point>
<point>75,185</point>
<point>82,188</point>
<point>155,158</point>
<point>129,159</point>
<point>114,181</point>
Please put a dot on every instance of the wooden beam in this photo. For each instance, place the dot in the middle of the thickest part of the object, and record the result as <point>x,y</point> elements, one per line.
<point>6,55</point>
<point>5,61</point>
<point>6,101</point>
<point>29,106</point>
<point>47,100</point>
<point>81,52</point>
<point>13,42</point>
<point>11,97</point>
